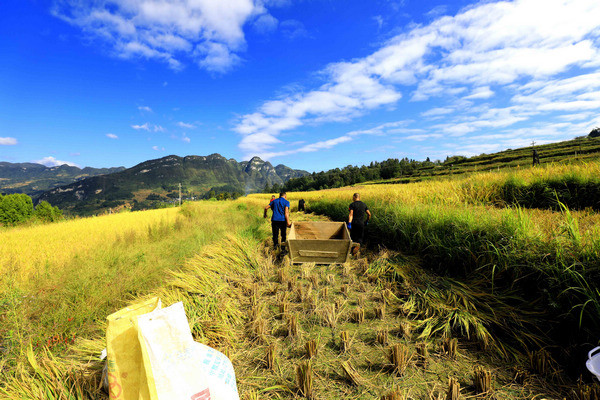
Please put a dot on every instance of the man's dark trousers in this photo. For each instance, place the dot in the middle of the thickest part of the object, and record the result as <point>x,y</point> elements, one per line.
<point>278,226</point>
<point>357,232</point>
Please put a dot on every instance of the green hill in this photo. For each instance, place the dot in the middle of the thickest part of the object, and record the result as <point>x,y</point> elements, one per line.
<point>152,182</point>
<point>34,179</point>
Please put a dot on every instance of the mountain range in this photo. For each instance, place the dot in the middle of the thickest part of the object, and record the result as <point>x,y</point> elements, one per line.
<point>158,181</point>
<point>34,179</point>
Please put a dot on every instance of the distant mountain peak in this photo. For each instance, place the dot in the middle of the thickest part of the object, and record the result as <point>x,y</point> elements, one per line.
<point>161,177</point>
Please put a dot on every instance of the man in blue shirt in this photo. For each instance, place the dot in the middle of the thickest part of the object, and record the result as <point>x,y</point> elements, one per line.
<point>280,220</point>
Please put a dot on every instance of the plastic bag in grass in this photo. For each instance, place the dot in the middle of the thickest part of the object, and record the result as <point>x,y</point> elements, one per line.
<point>126,373</point>
<point>177,367</point>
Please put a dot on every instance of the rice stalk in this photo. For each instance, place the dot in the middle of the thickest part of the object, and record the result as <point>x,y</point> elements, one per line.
<point>344,290</point>
<point>358,315</point>
<point>382,337</point>
<point>453,392</point>
<point>361,301</point>
<point>351,374</point>
<point>345,341</point>
<point>585,392</point>
<point>283,308</point>
<point>305,379</point>
<point>270,357</point>
<point>482,381</point>
<point>399,357</point>
<point>541,362</point>
<point>331,279</point>
<point>405,329</point>
<point>292,326</point>
<point>450,347</point>
<point>330,316</point>
<point>394,395</point>
<point>380,312</point>
<point>282,276</point>
<point>422,354</point>
<point>311,348</point>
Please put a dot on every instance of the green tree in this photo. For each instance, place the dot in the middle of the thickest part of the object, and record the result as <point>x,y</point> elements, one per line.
<point>15,209</point>
<point>45,212</point>
<point>595,132</point>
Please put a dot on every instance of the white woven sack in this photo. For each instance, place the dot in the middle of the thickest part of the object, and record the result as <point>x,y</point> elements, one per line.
<point>180,368</point>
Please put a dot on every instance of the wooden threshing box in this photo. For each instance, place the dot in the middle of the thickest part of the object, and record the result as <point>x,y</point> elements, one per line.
<point>319,242</point>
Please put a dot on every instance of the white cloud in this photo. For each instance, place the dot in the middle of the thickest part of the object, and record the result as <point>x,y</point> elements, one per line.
<point>53,162</point>
<point>145,108</point>
<point>185,125</point>
<point>266,23</point>
<point>293,29</point>
<point>216,57</point>
<point>111,136</point>
<point>437,11</point>
<point>144,127</point>
<point>321,145</point>
<point>209,32</point>
<point>436,112</point>
<point>8,141</point>
<point>486,52</point>
<point>483,92</point>
<point>157,148</point>
<point>148,127</point>
<point>422,137</point>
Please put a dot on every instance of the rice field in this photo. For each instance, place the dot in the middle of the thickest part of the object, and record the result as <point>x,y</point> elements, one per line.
<point>307,331</point>
<point>461,294</point>
<point>77,272</point>
<point>546,258</point>
<point>26,252</point>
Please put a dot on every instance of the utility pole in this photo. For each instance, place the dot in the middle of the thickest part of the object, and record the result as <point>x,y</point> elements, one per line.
<point>179,194</point>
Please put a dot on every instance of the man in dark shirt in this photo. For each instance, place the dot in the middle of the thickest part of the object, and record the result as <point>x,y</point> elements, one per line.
<point>301,205</point>
<point>536,158</point>
<point>280,220</point>
<point>356,218</point>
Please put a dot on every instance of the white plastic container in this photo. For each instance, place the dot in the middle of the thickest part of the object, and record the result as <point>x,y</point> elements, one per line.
<point>593,362</point>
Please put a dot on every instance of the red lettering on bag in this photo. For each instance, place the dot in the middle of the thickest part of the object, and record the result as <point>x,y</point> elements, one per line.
<point>114,389</point>
<point>203,395</point>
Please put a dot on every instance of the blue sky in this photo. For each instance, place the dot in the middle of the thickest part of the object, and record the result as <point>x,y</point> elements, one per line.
<point>313,84</point>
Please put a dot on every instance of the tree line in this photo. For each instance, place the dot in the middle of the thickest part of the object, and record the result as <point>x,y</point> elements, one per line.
<point>16,209</point>
<point>350,175</point>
